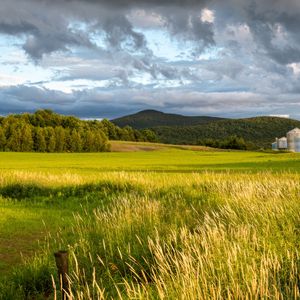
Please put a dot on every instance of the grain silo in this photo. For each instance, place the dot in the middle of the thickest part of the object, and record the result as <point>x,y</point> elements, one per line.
<point>297,144</point>
<point>274,146</point>
<point>282,143</point>
<point>293,140</point>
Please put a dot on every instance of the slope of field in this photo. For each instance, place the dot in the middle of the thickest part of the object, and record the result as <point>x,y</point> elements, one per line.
<point>124,146</point>
<point>261,131</point>
<point>165,224</point>
<point>153,118</point>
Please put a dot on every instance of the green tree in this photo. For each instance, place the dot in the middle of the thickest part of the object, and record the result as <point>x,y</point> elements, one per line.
<point>100,141</point>
<point>2,139</point>
<point>26,140</point>
<point>89,141</point>
<point>14,139</point>
<point>149,135</point>
<point>60,137</point>
<point>51,140</point>
<point>40,140</point>
<point>67,140</point>
<point>46,131</point>
<point>109,129</point>
<point>234,142</point>
<point>75,141</point>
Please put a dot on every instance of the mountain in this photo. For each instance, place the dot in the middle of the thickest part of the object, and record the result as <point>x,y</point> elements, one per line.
<point>259,131</point>
<point>154,118</point>
<point>178,129</point>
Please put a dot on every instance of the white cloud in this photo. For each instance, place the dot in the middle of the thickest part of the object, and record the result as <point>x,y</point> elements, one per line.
<point>295,68</point>
<point>280,116</point>
<point>9,80</point>
<point>207,15</point>
<point>145,19</point>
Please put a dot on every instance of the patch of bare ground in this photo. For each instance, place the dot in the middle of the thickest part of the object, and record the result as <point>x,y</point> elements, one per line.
<point>13,249</point>
<point>129,147</point>
<point>121,146</point>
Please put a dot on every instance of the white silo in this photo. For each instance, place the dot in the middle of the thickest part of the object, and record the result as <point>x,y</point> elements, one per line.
<point>293,138</point>
<point>297,144</point>
<point>282,143</point>
<point>274,146</point>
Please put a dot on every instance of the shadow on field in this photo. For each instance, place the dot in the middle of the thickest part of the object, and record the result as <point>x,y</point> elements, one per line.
<point>30,191</point>
<point>271,165</point>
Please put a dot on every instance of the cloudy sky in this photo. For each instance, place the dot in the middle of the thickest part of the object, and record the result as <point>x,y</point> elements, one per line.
<point>232,58</point>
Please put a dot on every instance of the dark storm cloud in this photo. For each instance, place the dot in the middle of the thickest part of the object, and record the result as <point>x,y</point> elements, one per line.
<point>121,4</point>
<point>45,30</point>
<point>267,28</point>
<point>31,94</point>
<point>255,43</point>
<point>109,103</point>
<point>47,25</point>
<point>274,25</point>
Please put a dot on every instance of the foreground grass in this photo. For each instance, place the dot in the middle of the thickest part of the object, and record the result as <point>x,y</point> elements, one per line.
<point>152,235</point>
<point>23,227</point>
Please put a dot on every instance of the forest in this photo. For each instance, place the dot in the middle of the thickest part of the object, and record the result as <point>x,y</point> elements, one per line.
<point>257,132</point>
<point>46,131</point>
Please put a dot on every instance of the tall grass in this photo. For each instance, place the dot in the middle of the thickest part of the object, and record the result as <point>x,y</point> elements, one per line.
<point>161,236</point>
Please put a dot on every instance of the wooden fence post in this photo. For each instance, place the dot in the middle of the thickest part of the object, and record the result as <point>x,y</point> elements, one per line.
<point>62,264</point>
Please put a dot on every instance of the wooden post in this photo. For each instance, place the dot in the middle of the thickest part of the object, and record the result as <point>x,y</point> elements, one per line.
<point>62,264</point>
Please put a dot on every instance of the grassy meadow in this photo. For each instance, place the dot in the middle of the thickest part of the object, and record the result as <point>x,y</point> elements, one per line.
<point>164,223</point>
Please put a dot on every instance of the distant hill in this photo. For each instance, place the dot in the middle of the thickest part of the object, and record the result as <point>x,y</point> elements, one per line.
<point>178,129</point>
<point>154,118</point>
<point>260,131</point>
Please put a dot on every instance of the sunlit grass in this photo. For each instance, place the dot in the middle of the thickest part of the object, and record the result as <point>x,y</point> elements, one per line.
<point>155,235</point>
<point>165,160</point>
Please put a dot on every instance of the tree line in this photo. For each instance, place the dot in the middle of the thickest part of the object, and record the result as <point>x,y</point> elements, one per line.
<point>46,131</point>
<point>231,142</point>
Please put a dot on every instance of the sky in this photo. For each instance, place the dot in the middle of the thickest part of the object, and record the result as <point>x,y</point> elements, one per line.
<point>105,59</point>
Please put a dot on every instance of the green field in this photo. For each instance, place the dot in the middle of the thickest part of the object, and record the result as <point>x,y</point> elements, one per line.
<point>163,160</point>
<point>163,224</point>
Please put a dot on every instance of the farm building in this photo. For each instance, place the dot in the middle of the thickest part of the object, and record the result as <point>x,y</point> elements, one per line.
<point>291,142</point>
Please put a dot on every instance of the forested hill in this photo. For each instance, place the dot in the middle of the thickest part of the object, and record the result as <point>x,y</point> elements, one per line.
<point>154,118</point>
<point>46,131</point>
<point>257,132</point>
